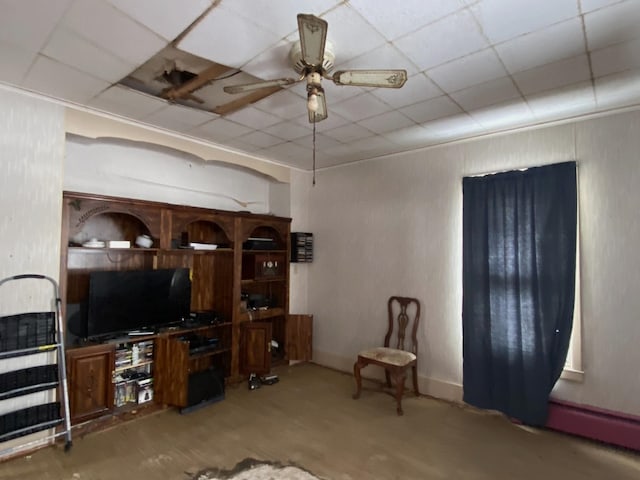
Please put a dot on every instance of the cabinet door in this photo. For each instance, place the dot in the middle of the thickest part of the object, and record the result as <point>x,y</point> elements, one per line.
<point>256,348</point>
<point>299,337</point>
<point>90,381</point>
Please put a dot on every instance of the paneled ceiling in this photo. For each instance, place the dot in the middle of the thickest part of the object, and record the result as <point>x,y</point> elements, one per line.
<point>474,67</point>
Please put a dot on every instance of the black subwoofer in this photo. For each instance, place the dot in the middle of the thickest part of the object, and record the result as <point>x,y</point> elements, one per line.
<point>205,387</point>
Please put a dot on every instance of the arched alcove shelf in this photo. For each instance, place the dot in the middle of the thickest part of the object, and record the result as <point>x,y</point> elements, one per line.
<point>96,125</point>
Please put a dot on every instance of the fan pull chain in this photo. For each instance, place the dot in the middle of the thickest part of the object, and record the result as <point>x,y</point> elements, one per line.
<point>314,149</point>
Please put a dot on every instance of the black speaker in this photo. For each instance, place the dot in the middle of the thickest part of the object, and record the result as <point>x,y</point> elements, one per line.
<point>204,387</point>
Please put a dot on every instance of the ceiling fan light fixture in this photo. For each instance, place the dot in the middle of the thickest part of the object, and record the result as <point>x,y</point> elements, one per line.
<point>312,102</point>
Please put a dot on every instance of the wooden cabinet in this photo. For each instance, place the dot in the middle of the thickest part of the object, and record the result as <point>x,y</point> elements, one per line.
<point>256,347</point>
<point>90,371</point>
<point>179,355</point>
<point>299,337</point>
<point>239,269</point>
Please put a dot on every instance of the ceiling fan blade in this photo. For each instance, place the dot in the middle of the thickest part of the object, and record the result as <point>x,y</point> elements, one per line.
<point>371,78</point>
<point>313,37</point>
<point>321,112</point>
<point>249,87</point>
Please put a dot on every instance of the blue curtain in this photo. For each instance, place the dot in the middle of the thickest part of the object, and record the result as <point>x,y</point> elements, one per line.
<point>519,253</point>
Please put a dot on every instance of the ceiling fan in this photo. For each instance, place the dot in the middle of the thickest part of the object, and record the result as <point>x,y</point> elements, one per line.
<point>313,58</point>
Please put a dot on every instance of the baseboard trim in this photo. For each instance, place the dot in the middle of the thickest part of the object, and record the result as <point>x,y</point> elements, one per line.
<point>595,423</point>
<point>433,387</point>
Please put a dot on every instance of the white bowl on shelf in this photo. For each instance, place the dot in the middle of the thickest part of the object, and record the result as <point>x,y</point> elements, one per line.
<point>144,241</point>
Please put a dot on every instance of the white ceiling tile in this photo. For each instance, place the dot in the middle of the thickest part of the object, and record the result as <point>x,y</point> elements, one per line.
<point>289,150</point>
<point>501,20</point>
<point>412,137</point>
<point>384,57</point>
<point>102,24</point>
<point>349,133</point>
<point>614,24</point>
<point>417,88</point>
<point>563,40</point>
<point>350,34</point>
<point>362,106</point>
<point>618,90</point>
<point>279,17</point>
<point>338,150</point>
<point>287,130</point>
<point>178,118</point>
<point>485,94</point>
<point>431,109</point>
<point>553,75</point>
<point>506,115</point>
<point>284,104</point>
<point>394,19</point>
<point>227,38</point>
<point>590,5</point>
<point>221,129</point>
<point>15,63</point>
<point>69,48</point>
<point>27,25</point>
<point>578,99</point>
<point>617,58</point>
<point>322,141</point>
<point>261,139</point>
<point>167,18</point>
<point>387,122</point>
<point>453,127</point>
<point>467,71</point>
<point>127,102</point>
<point>239,144</point>
<point>253,118</point>
<point>452,37</point>
<point>58,80</point>
<point>375,146</point>
<point>273,63</point>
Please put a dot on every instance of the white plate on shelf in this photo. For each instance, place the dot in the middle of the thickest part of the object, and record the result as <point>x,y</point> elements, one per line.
<point>94,244</point>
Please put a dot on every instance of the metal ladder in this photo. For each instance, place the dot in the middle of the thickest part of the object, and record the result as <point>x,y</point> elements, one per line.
<point>25,334</point>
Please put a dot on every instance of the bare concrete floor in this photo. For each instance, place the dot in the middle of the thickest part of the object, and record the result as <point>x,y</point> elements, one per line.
<point>309,419</point>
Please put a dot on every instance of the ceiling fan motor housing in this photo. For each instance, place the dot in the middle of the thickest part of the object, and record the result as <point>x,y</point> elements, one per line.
<point>295,57</point>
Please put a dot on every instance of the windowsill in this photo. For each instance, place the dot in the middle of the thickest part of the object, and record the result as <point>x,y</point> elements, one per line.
<point>572,375</point>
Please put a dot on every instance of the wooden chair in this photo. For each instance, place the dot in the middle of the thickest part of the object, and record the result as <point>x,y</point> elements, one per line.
<point>406,312</point>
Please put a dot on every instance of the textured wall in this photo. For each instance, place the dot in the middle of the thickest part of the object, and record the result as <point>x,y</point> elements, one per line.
<point>31,156</point>
<point>394,226</point>
<point>300,190</point>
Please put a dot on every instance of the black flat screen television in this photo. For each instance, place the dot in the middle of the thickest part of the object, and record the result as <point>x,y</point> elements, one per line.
<point>123,301</point>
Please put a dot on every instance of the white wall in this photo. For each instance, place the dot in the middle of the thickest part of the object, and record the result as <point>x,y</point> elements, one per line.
<point>128,169</point>
<point>298,278</point>
<point>394,226</point>
<point>31,153</point>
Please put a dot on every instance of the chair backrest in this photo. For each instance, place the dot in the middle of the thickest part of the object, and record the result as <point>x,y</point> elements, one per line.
<point>405,312</point>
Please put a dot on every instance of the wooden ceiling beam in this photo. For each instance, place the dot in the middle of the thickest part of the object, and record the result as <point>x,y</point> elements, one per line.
<point>204,77</point>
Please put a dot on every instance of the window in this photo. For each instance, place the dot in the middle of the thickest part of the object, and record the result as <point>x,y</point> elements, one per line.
<point>519,266</point>
<point>573,366</point>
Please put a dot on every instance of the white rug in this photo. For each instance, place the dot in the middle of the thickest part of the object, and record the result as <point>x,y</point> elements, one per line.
<point>250,469</point>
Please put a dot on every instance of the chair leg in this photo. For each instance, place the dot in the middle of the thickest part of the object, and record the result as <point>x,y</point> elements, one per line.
<point>414,371</point>
<point>356,373</point>
<point>399,377</point>
<point>388,377</point>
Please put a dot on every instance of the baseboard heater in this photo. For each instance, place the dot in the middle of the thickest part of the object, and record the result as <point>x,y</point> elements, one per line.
<point>595,423</point>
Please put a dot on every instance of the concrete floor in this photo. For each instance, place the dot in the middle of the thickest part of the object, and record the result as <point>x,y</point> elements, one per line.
<point>310,419</point>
